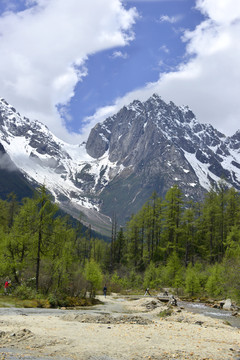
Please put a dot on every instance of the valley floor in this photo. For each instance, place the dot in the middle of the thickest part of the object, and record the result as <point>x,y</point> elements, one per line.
<point>118,330</point>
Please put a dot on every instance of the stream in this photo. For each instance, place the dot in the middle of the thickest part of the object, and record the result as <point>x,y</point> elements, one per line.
<point>203,309</point>
<point>117,306</point>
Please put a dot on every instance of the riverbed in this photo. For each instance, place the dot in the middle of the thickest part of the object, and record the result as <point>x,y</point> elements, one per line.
<point>120,329</point>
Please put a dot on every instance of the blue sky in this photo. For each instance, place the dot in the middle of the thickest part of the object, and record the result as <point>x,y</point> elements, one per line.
<point>72,64</point>
<point>156,48</point>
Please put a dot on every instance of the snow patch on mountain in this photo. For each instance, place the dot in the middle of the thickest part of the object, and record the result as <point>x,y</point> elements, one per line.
<point>45,159</point>
<point>146,146</point>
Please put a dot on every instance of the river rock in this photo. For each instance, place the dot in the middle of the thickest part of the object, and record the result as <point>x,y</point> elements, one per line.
<point>107,319</point>
<point>221,303</point>
<point>227,305</point>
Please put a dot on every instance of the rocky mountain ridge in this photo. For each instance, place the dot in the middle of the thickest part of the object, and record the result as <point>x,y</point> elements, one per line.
<point>145,147</point>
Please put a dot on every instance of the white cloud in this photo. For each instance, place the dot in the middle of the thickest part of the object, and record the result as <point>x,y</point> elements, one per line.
<point>119,54</point>
<point>164,48</point>
<point>44,48</point>
<point>210,81</point>
<point>100,115</point>
<point>222,12</point>
<point>154,1</point>
<point>170,19</point>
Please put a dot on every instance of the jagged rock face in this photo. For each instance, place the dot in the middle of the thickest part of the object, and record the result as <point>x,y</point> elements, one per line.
<point>145,147</point>
<point>159,145</point>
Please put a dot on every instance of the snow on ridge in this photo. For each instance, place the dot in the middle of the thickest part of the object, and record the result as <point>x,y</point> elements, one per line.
<point>201,170</point>
<point>42,167</point>
<point>184,108</point>
<point>135,106</point>
<point>64,166</point>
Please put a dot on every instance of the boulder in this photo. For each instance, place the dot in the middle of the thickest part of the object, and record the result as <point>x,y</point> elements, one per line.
<point>227,304</point>
<point>164,299</point>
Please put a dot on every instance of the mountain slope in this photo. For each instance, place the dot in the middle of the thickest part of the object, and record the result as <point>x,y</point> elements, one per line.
<point>44,159</point>
<point>12,178</point>
<point>145,147</point>
<point>158,145</point>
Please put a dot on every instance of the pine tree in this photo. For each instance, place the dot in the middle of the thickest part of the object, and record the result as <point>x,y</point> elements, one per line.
<point>173,217</point>
<point>192,283</point>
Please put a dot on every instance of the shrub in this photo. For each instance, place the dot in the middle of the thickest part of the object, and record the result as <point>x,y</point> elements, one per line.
<point>24,292</point>
<point>166,312</point>
<point>53,300</point>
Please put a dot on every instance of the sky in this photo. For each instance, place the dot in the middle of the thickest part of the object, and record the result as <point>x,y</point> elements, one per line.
<point>71,64</point>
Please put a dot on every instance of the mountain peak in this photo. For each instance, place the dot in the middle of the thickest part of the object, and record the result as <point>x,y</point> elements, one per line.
<point>147,146</point>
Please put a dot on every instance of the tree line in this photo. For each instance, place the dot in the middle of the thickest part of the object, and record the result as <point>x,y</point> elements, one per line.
<point>195,231</point>
<point>192,247</point>
<point>42,252</point>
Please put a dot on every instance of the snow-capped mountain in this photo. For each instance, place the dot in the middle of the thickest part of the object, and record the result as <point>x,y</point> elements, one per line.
<point>68,172</point>
<point>145,147</point>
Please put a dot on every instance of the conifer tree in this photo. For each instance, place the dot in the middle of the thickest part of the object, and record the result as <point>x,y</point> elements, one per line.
<point>173,217</point>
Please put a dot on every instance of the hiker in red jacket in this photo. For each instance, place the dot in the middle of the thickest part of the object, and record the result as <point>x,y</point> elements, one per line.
<point>6,285</point>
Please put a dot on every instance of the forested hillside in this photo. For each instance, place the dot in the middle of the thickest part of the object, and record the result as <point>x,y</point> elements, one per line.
<point>192,247</point>
<point>189,246</point>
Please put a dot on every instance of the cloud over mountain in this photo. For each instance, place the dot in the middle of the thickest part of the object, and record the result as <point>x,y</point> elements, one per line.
<point>208,78</point>
<point>44,48</point>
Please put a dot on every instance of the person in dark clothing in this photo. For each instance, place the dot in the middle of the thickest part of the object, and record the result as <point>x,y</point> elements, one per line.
<point>105,290</point>
<point>147,292</point>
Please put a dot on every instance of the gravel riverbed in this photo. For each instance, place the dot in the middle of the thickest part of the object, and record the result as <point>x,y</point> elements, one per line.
<point>120,329</point>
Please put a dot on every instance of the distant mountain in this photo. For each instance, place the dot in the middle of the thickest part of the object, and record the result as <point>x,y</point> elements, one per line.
<point>145,147</point>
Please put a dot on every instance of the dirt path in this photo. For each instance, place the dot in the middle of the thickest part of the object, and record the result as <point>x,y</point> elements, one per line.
<point>118,330</point>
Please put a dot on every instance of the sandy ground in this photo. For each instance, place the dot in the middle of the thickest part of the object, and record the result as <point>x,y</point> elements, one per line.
<point>124,329</point>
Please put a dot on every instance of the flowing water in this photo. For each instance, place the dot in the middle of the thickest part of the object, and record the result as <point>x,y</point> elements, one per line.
<point>211,312</point>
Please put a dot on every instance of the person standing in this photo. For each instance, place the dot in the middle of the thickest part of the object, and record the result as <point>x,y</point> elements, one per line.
<point>147,292</point>
<point>105,290</point>
<point>6,285</point>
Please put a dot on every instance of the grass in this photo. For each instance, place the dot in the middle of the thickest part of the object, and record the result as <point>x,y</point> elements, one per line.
<point>227,323</point>
<point>71,302</point>
<point>164,313</point>
<point>11,301</point>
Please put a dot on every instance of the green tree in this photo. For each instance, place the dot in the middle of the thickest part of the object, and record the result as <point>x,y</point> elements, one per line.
<point>134,242</point>
<point>192,283</point>
<point>8,210</point>
<point>151,276</point>
<point>231,269</point>
<point>173,217</point>
<point>94,276</point>
<point>214,285</point>
<point>42,227</point>
<point>120,247</point>
<point>189,236</point>
<point>59,258</point>
<point>174,269</point>
<point>17,243</point>
<point>210,225</point>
